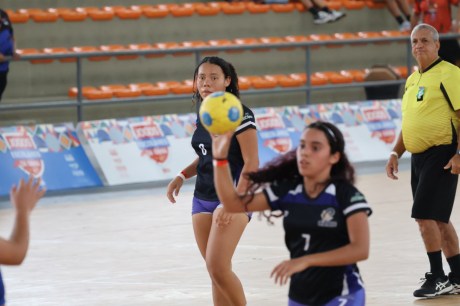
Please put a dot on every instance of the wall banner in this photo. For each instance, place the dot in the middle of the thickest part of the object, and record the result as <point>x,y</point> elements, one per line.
<point>139,149</point>
<point>52,152</point>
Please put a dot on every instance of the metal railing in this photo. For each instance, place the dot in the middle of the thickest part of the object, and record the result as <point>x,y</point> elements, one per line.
<point>79,103</point>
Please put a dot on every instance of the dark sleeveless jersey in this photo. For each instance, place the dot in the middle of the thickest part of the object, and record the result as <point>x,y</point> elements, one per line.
<point>314,226</point>
<point>201,143</point>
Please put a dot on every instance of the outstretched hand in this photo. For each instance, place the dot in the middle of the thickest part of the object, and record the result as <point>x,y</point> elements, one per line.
<point>221,145</point>
<point>25,196</point>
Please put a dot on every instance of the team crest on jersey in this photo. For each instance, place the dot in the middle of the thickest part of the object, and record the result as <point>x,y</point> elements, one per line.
<point>420,93</point>
<point>327,217</point>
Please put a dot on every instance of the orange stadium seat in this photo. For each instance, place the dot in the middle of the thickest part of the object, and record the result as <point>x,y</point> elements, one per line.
<point>301,77</point>
<point>140,86</point>
<point>372,35</point>
<point>154,11</point>
<point>39,15</point>
<point>244,83</point>
<point>396,33</point>
<point>142,47</point>
<point>98,95</point>
<point>374,4</point>
<point>354,4</point>
<point>217,43</point>
<point>315,80</point>
<point>336,77</point>
<point>164,46</point>
<point>344,36</point>
<point>207,9</point>
<point>60,50</point>
<point>96,13</point>
<point>260,82</point>
<point>190,44</point>
<point>285,80</point>
<point>300,7</point>
<point>255,8</point>
<point>121,91</point>
<point>296,39</point>
<point>126,13</point>
<point>73,90</point>
<point>233,8</point>
<point>109,48</point>
<point>282,8</point>
<point>112,8</point>
<point>17,17</point>
<point>33,51</point>
<point>69,14</point>
<point>402,71</point>
<point>318,79</point>
<point>334,4</point>
<point>356,74</point>
<point>80,49</point>
<point>274,40</point>
<point>321,38</point>
<point>248,41</point>
<point>90,93</point>
<point>155,90</point>
<point>169,84</point>
<point>185,87</point>
<point>181,10</point>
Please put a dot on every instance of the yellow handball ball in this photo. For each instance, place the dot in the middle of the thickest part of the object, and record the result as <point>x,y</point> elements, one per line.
<point>221,112</point>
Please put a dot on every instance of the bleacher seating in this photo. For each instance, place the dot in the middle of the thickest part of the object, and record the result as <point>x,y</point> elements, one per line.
<point>142,26</point>
<point>253,82</point>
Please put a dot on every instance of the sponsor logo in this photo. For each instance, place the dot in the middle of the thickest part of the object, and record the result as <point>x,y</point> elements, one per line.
<point>150,139</point>
<point>24,152</point>
<point>273,133</point>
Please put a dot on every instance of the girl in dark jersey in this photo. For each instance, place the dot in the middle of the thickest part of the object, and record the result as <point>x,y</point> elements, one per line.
<point>217,232</point>
<point>325,216</point>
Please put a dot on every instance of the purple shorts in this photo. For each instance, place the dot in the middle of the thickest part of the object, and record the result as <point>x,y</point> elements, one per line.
<point>207,207</point>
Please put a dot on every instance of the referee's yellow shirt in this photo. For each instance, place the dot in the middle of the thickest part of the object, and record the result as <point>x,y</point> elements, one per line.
<point>428,105</point>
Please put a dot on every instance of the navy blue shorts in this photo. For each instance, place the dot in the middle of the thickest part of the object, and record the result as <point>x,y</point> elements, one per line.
<point>207,207</point>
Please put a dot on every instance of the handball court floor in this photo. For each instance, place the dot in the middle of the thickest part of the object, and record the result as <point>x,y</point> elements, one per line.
<point>132,247</point>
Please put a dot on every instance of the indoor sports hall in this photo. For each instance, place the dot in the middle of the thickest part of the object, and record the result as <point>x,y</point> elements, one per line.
<point>99,102</point>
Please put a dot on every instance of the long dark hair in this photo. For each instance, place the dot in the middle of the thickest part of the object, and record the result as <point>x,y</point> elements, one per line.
<point>227,68</point>
<point>284,167</point>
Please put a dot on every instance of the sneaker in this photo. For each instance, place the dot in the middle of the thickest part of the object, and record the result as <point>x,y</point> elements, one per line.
<point>405,26</point>
<point>336,15</point>
<point>322,18</point>
<point>433,286</point>
<point>455,281</point>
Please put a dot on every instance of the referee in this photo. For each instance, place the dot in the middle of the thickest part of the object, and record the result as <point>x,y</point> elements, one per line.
<point>429,131</point>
